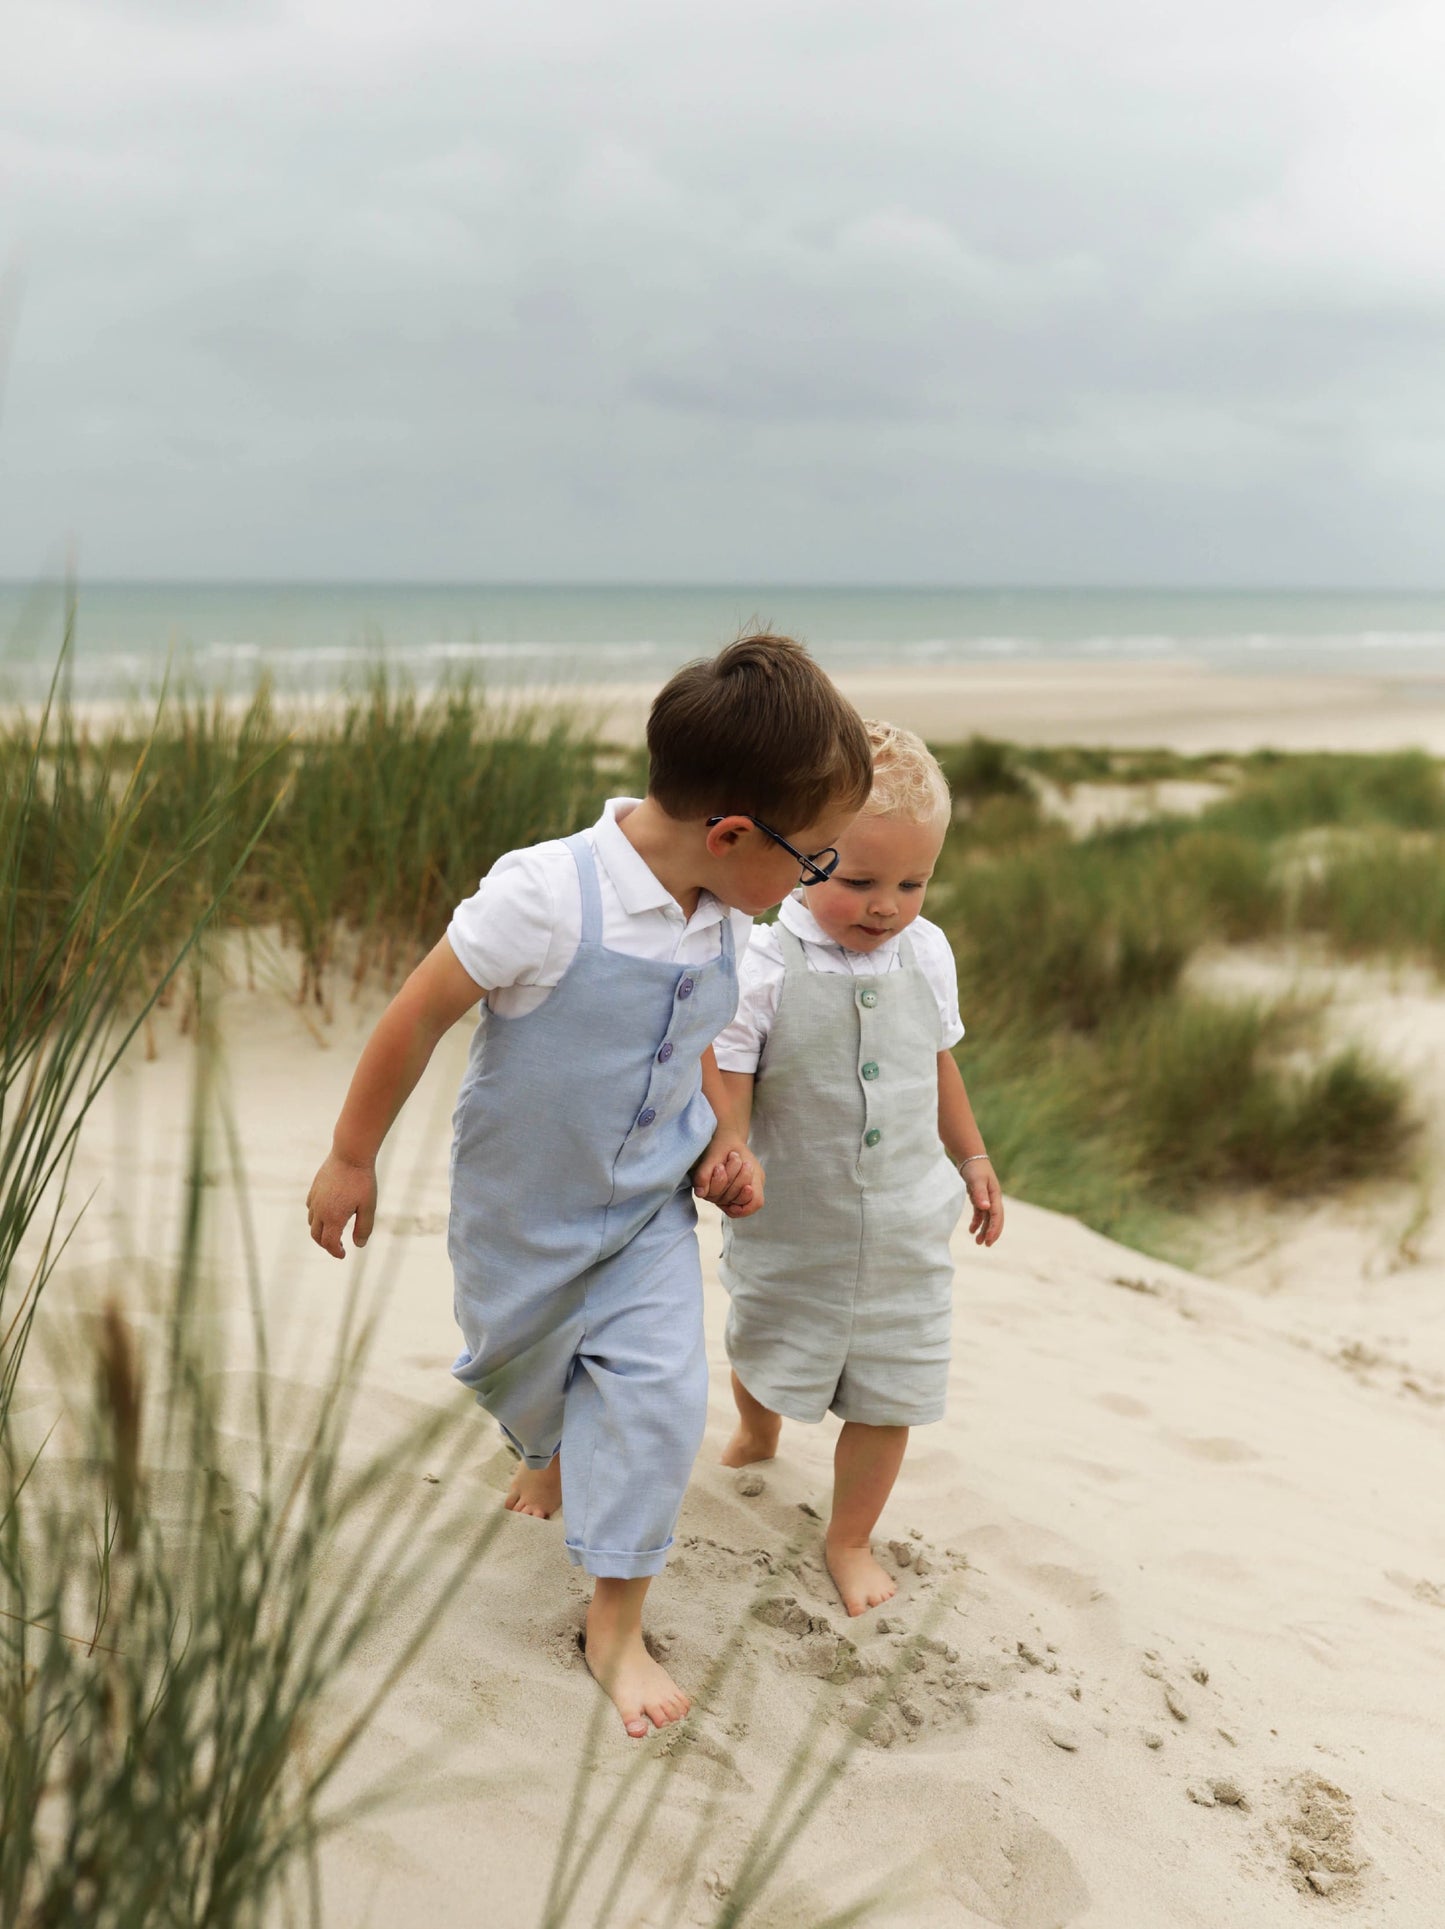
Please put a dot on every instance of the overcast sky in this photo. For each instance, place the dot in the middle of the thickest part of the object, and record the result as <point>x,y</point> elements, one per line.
<point>769,290</point>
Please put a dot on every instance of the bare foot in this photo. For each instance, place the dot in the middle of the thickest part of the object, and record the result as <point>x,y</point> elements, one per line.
<point>858,1578</point>
<point>536,1490</point>
<point>748,1444</point>
<point>640,1688</point>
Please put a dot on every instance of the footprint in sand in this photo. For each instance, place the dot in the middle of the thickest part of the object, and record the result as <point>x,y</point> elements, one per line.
<point>1432,1593</point>
<point>1002,1864</point>
<point>700,1556</point>
<point>901,1685</point>
<point>701,1757</point>
<point>1124,1404</point>
<point>1219,1448</point>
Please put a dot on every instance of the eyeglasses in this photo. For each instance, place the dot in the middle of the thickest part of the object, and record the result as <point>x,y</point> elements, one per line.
<point>816,869</point>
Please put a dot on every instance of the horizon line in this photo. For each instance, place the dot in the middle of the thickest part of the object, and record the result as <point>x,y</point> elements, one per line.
<point>701,586</point>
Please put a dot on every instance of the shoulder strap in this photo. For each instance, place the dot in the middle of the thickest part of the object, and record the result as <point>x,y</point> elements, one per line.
<point>791,946</point>
<point>587,879</point>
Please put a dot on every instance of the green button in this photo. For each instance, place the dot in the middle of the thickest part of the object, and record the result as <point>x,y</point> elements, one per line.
<point>868,998</point>
<point>870,1070</point>
<point>872,1136</point>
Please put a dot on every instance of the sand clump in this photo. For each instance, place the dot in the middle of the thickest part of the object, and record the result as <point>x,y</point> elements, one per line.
<point>1318,1829</point>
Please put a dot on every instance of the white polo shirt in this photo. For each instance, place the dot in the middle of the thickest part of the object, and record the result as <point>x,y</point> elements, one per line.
<point>518,932</point>
<point>760,978</point>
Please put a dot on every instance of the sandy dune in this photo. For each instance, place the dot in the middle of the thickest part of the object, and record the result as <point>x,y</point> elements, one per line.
<point>1179,1567</point>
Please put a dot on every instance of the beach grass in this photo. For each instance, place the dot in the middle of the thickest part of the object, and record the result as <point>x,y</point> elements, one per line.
<point>1108,1087</point>
<point>176,1615</point>
<point>359,831</point>
<point>1379,895</point>
<point>1276,795</point>
<point>353,831</point>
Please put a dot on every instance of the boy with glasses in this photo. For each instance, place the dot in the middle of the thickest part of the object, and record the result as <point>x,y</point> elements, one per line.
<point>605,967</point>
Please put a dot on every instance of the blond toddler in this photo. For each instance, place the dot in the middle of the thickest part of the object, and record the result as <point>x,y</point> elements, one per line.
<point>839,1068</point>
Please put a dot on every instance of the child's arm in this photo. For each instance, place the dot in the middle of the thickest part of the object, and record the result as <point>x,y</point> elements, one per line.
<point>963,1140</point>
<point>433,998</point>
<point>728,1173</point>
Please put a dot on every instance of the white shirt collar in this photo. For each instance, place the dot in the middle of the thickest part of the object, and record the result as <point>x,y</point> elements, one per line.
<point>637,885</point>
<point>794,913</point>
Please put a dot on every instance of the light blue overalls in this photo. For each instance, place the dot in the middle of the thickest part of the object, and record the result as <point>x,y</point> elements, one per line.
<point>572,1233</point>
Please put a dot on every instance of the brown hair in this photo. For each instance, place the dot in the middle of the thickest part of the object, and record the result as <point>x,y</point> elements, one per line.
<point>757,728</point>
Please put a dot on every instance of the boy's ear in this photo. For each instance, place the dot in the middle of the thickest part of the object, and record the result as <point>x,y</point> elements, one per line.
<point>724,834</point>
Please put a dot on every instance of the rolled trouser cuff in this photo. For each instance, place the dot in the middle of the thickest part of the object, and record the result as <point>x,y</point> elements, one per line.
<point>619,1564</point>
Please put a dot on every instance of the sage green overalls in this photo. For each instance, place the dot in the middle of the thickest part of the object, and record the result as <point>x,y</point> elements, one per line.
<point>842,1286</point>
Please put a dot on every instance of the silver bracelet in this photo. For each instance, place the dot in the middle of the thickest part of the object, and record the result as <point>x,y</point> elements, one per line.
<point>972,1159</point>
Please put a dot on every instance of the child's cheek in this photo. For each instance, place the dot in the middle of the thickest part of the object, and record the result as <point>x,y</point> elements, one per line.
<point>834,912</point>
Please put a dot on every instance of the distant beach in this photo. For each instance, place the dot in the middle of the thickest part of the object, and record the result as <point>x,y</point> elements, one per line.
<point>1182,670</point>
<point>314,638</point>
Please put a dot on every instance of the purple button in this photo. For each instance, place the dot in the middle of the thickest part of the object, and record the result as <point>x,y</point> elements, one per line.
<point>646,1116</point>
<point>665,1053</point>
<point>684,990</point>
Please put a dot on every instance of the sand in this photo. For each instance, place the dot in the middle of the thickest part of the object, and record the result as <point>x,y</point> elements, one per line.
<point>1172,705</point>
<point>1175,705</point>
<point>1176,1555</point>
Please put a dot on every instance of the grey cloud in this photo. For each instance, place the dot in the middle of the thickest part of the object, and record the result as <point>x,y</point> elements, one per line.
<point>797,289</point>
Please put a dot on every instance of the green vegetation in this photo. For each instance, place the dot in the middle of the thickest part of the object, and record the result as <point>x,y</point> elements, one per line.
<point>171,1634</point>
<point>370,823</point>
<point>1108,1085</point>
<point>1379,895</point>
<point>1111,1089</point>
<point>1277,796</point>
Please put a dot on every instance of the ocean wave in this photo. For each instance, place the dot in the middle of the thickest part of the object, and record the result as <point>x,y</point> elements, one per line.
<point>117,667</point>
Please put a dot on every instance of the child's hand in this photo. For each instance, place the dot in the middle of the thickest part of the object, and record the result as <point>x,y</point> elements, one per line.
<point>339,1192</point>
<point>986,1197</point>
<point>729,1175</point>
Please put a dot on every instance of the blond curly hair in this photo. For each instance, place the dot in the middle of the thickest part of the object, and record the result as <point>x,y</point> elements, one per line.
<point>907,781</point>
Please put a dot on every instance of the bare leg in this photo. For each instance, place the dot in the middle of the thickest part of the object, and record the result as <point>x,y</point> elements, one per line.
<point>865,1466</point>
<point>641,1689</point>
<point>757,1432</point>
<point>536,1490</point>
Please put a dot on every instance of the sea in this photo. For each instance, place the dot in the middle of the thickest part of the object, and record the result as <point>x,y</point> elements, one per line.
<point>314,638</point>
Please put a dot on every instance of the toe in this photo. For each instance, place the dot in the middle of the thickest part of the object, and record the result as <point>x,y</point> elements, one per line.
<point>636,1726</point>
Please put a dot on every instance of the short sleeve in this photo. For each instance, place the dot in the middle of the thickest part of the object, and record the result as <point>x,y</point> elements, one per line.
<point>511,930</point>
<point>739,1046</point>
<point>936,962</point>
